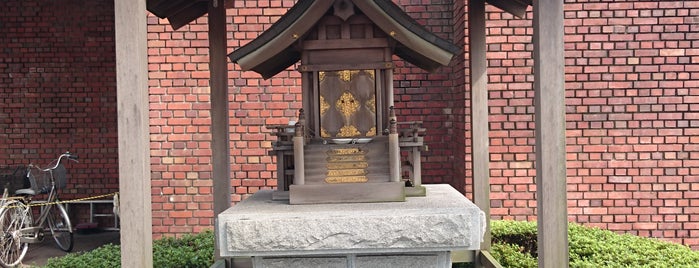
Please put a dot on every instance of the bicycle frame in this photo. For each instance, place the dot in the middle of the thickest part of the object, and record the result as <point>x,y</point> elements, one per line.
<point>16,215</point>
<point>34,233</point>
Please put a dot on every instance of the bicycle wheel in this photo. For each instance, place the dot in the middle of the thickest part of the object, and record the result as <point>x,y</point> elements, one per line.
<point>13,218</point>
<point>61,229</point>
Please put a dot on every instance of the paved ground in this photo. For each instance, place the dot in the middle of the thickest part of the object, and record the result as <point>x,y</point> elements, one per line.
<point>39,253</point>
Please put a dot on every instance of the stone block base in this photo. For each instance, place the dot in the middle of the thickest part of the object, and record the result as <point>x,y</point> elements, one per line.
<point>419,230</point>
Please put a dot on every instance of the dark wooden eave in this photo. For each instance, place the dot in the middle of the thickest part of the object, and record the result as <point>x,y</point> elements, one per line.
<point>514,7</point>
<point>415,44</point>
<point>181,12</point>
<point>273,50</point>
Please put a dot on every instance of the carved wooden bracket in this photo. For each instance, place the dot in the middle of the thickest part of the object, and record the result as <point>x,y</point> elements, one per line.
<point>343,9</point>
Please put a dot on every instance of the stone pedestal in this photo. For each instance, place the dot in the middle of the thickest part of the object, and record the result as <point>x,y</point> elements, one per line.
<point>420,232</point>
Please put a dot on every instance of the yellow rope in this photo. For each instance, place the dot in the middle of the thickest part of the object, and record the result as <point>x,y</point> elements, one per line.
<point>59,202</point>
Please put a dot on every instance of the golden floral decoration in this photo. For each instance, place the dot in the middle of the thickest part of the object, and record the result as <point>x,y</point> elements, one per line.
<point>347,104</point>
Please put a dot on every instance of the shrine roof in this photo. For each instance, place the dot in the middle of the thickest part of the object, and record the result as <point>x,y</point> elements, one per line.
<point>273,51</point>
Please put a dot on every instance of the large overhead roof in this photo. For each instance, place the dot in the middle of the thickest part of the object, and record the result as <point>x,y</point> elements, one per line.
<point>182,12</point>
<point>414,43</point>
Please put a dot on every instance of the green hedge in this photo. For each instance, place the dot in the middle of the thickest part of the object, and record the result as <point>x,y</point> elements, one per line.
<point>102,257</point>
<point>188,251</point>
<point>514,245</point>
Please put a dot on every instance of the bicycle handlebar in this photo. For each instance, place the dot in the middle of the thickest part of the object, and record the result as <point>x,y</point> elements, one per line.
<point>58,161</point>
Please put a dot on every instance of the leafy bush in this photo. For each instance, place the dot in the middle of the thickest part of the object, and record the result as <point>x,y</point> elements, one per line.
<point>187,251</point>
<point>514,245</point>
<point>512,255</point>
<point>521,233</point>
<point>593,247</point>
<point>106,256</point>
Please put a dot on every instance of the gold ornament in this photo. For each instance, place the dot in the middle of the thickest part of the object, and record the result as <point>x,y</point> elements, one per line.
<point>347,104</point>
<point>349,131</point>
<point>351,179</point>
<point>372,103</point>
<point>371,132</point>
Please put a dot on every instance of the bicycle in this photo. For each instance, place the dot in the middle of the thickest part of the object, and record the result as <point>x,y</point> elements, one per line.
<point>16,217</point>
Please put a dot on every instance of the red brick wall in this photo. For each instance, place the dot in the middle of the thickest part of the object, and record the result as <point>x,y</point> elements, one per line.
<point>632,101</point>
<point>258,102</point>
<point>632,116</point>
<point>57,90</point>
<point>428,97</point>
<point>461,148</point>
<point>178,64</point>
<point>180,127</point>
<point>180,119</point>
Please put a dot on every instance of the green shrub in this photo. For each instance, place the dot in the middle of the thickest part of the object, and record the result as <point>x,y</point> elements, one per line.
<point>188,251</point>
<point>512,255</point>
<point>106,256</point>
<point>521,233</point>
<point>514,245</point>
<point>593,247</point>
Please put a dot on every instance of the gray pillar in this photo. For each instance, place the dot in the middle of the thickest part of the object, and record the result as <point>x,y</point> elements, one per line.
<point>299,167</point>
<point>393,146</point>
<point>394,157</point>
<point>549,91</point>
<point>220,141</point>
<point>479,111</point>
<point>133,134</point>
<point>417,166</point>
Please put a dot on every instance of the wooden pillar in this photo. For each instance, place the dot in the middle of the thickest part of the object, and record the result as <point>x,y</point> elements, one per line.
<point>478,81</point>
<point>220,141</point>
<point>549,91</point>
<point>133,134</point>
<point>220,144</point>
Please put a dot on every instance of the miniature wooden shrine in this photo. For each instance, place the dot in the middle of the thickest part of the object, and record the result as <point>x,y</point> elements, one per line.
<point>347,144</point>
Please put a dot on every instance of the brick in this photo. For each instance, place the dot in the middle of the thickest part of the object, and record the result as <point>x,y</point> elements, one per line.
<point>595,211</point>
<point>645,226</point>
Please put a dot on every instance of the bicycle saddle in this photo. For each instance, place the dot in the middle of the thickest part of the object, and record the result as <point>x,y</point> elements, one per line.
<point>26,191</point>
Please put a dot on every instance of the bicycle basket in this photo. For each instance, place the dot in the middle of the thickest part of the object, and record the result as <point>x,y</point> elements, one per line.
<point>39,180</point>
<point>13,178</point>
<point>59,175</point>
